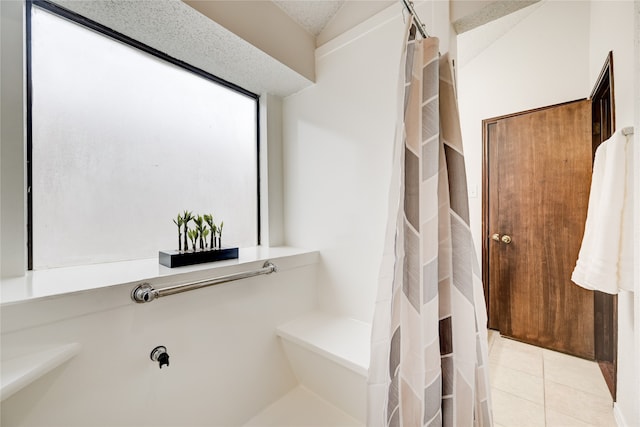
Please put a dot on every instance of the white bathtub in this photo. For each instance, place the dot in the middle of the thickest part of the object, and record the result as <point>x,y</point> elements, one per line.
<point>93,345</point>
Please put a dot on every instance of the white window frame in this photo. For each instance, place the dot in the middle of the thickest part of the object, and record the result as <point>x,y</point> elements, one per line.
<point>85,23</point>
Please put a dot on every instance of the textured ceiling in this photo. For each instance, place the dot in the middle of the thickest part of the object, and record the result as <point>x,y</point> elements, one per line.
<point>315,15</point>
<point>180,31</point>
<point>312,15</point>
<point>183,33</point>
<point>483,36</point>
<point>489,13</point>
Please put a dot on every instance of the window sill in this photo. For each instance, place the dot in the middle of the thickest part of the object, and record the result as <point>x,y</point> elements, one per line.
<point>44,284</point>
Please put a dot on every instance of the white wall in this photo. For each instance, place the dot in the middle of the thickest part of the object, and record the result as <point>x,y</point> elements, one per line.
<point>338,139</point>
<point>271,182</point>
<point>226,363</point>
<point>636,150</point>
<point>612,29</point>
<point>12,153</point>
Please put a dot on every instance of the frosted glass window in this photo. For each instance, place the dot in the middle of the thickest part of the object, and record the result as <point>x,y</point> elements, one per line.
<point>123,141</point>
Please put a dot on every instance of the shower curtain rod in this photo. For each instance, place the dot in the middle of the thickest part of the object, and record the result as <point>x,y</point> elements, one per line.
<point>146,293</point>
<point>421,27</point>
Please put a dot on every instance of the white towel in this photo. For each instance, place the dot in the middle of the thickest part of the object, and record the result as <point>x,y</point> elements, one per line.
<point>605,261</point>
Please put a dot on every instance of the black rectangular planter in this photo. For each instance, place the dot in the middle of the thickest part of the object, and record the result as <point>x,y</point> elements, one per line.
<point>180,259</point>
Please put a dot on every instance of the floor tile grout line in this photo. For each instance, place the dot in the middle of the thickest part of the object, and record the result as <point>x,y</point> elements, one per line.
<point>517,370</point>
<point>544,388</point>
<point>586,423</point>
<point>517,396</point>
<point>545,380</point>
<point>598,396</point>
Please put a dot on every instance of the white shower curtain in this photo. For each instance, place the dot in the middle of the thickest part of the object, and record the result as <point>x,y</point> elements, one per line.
<point>429,364</point>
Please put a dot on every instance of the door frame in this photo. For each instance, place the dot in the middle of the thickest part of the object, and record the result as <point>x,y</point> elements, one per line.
<point>603,115</point>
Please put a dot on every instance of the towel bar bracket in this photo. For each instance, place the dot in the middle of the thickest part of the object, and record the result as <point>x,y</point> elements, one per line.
<point>145,292</point>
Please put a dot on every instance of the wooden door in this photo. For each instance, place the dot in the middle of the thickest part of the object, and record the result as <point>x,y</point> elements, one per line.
<point>537,178</point>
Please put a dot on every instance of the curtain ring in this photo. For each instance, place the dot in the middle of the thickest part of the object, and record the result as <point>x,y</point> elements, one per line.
<point>404,14</point>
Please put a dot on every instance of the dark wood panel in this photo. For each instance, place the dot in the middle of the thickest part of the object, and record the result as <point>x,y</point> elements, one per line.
<point>605,308</point>
<point>493,272</point>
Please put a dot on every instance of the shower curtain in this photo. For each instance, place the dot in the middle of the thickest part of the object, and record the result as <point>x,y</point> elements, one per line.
<point>429,364</point>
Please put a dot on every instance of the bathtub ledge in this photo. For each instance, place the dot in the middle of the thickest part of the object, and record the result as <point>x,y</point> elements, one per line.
<point>343,340</point>
<point>19,372</point>
<point>47,296</point>
<point>67,280</point>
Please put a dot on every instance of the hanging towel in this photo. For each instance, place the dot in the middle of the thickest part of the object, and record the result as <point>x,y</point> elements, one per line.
<point>605,261</point>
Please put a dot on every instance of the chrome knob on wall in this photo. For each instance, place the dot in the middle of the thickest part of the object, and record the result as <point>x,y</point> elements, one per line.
<point>160,355</point>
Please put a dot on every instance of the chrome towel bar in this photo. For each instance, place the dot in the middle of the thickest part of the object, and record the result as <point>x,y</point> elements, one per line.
<point>146,293</point>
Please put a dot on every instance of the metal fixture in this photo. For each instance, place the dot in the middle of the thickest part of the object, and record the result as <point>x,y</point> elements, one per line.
<point>504,239</point>
<point>146,293</point>
<point>160,355</point>
<point>421,27</point>
<point>627,131</point>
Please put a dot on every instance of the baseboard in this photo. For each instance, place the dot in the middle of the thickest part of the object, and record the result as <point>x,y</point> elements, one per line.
<point>617,414</point>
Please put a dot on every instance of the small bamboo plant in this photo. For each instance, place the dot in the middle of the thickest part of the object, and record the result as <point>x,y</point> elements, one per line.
<point>211,230</point>
<point>179,221</point>
<point>220,234</point>
<point>204,227</point>
<point>193,236</point>
<point>187,216</point>
<point>200,228</point>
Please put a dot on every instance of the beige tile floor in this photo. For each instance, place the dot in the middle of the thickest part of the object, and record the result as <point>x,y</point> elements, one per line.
<point>531,386</point>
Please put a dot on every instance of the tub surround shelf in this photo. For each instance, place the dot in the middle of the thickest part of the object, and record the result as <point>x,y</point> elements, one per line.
<point>345,341</point>
<point>19,372</point>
